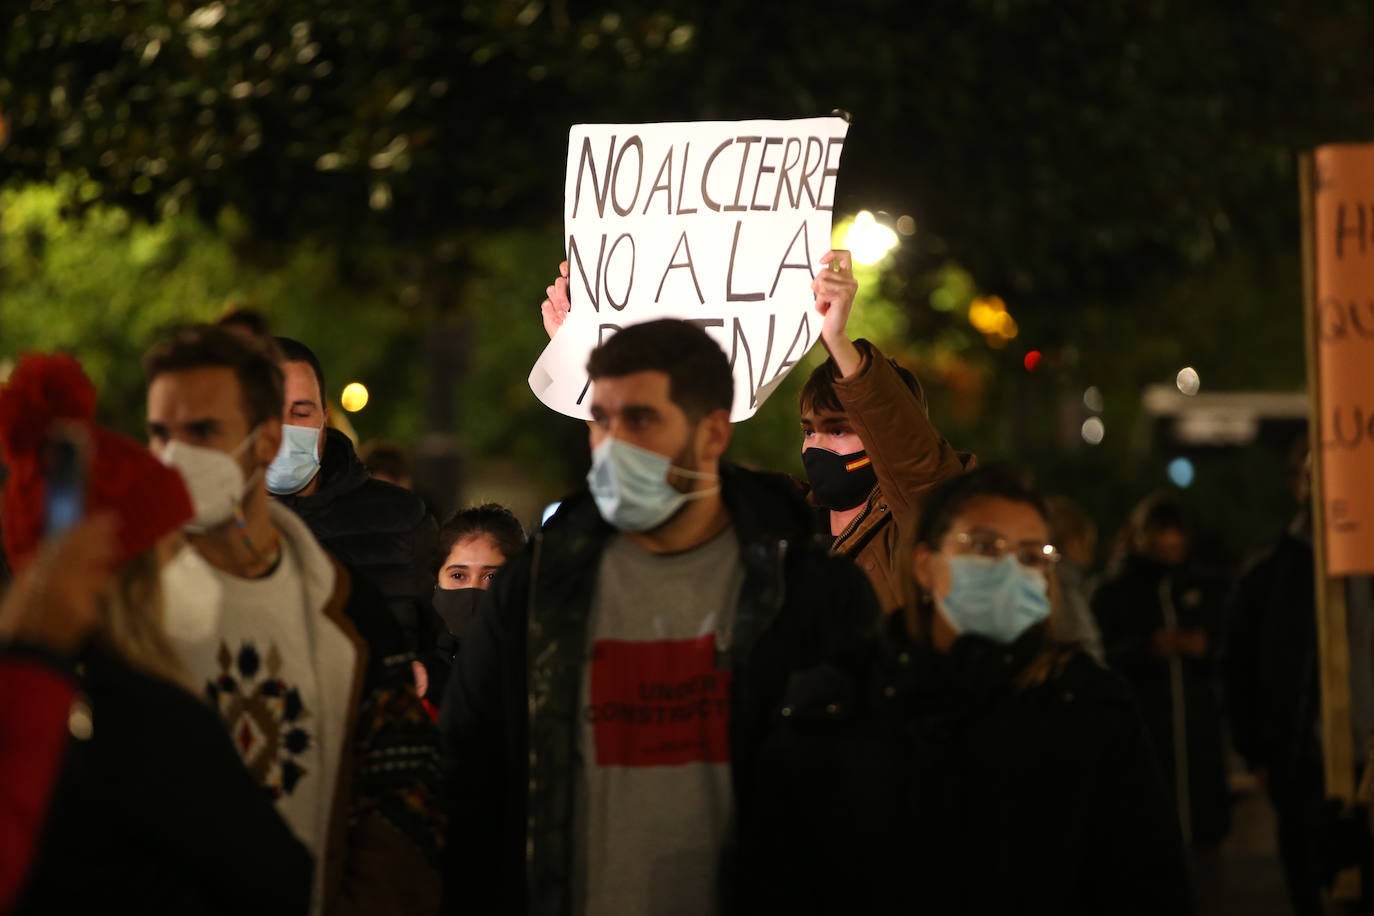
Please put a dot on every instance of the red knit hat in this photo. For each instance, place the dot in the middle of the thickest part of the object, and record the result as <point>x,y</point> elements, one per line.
<point>149,498</point>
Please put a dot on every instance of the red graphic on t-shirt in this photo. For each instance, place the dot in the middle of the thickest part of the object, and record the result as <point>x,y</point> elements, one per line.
<point>660,703</point>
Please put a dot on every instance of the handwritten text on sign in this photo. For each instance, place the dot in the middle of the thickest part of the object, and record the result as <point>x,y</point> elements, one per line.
<point>1344,214</point>
<point>720,223</point>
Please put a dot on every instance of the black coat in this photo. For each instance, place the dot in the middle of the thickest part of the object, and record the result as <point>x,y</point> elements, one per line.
<point>1130,609</point>
<point>378,530</point>
<point>1271,660</point>
<point>155,813</point>
<point>510,731</point>
<point>898,780</point>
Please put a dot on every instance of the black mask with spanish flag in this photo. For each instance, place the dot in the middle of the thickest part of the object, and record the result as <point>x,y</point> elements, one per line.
<point>839,482</point>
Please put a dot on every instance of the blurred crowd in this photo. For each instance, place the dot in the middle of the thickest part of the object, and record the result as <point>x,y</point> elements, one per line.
<point>252,672</point>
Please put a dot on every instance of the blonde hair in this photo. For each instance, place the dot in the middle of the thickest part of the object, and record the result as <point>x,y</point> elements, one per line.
<point>131,621</point>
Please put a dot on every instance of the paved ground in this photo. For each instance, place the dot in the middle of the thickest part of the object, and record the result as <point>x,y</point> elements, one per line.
<point>1252,883</point>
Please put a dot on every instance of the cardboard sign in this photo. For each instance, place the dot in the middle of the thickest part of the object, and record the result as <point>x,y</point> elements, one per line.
<point>721,223</point>
<point>1344,236</point>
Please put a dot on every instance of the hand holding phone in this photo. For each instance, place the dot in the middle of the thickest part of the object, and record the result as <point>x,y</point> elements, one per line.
<point>65,479</point>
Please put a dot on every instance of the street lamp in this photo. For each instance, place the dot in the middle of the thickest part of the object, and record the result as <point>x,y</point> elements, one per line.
<point>868,240</point>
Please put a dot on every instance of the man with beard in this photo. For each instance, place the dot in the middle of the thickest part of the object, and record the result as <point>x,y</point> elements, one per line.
<point>603,717</point>
<point>868,445</point>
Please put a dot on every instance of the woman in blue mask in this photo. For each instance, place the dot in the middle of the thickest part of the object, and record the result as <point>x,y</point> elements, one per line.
<point>967,761</point>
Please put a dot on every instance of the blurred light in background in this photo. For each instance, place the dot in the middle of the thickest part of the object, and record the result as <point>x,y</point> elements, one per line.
<point>989,315</point>
<point>1181,472</point>
<point>1092,399</point>
<point>1094,430</point>
<point>868,240</point>
<point>906,225</point>
<point>1032,360</point>
<point>354,397</point>
<point>1188,381</point>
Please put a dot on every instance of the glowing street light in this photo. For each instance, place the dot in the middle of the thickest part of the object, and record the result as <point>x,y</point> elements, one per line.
<point>868,240</point>
<point>354,397</point>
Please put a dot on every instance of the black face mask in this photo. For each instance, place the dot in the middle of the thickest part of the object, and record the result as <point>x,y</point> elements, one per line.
<point>457,607</point>
<point>839,482</point>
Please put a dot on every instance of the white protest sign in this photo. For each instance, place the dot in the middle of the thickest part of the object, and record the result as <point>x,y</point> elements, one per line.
<point>715,222</point>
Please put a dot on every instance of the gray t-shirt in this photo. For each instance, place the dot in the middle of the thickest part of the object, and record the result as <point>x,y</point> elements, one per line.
<point>654,800</point>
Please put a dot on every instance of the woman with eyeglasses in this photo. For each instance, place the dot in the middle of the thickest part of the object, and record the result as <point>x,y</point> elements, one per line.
<point>967,761</point>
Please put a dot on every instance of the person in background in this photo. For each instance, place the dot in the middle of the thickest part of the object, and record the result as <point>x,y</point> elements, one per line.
<point>602,720</point>
<point>245,323</point>
<point>473,546</point>
<point>153,811</point>
<point>1160,622</point>
<point>868,445</point>
<point>1271,671</point>
<point>380,531</point>
<point>388,462</point>
<point>966,761</point>
<point>1075,537</point>
<point>304,663</point>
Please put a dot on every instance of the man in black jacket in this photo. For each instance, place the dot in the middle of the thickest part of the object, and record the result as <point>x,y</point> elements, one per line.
<point>379,530</point>
<point>1272,696</point>
<point>602,720</point>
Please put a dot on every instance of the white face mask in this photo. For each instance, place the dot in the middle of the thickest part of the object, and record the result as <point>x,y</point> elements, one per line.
<point>297,460</point>
<point>214,480</point>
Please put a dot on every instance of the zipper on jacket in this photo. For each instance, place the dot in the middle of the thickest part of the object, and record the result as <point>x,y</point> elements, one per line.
<point>854,523</point>
<point>781,590</point>
<point>1179,715</point>
<point>537,554</point>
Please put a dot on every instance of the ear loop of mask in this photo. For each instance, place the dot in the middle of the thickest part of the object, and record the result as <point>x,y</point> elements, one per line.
<point>241,521</point>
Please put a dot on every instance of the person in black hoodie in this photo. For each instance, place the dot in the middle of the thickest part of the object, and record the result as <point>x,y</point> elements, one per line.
<point>1271,668</point>
<point>1160,619</point>
<point>964,762</point>
<point>602,719</point>
<point>380,531</point>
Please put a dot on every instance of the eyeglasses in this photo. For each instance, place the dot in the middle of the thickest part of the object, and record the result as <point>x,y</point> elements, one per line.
<point>1030,554</point>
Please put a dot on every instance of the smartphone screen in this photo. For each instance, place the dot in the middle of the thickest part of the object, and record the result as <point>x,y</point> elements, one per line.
<point>66,482</point>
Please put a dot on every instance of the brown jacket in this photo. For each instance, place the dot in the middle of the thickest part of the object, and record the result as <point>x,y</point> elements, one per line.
<point>909,457</point>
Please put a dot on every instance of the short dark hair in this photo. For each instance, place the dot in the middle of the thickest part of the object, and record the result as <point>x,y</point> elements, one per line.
<point>251,320</point>
<point>818,394</point>
<point>382,457</point>
<point>201,346</point>
<point>699,379</point>
<point>942,505</point>
<point>490,520</point>
<point>1160,511</point>
<point>296,352</point>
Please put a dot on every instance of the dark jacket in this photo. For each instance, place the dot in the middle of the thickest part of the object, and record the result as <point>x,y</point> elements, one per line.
<point>155,812</point>
<point>509,719</point>
<point>909,457</point>
<point>1130,608</point>
<point>1271,661</point>
<point>898,780</point>
<point>38,690</point>
<point>379,530</point>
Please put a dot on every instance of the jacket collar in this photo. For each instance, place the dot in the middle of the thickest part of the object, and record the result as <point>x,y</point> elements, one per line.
<point>318,571</point>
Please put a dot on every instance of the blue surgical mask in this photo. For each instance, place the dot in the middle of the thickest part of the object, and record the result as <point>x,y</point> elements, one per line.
<point>630,485</point>
<point>997,598</point>
<point>297,460</point>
